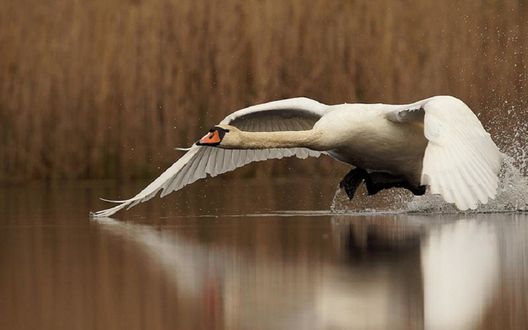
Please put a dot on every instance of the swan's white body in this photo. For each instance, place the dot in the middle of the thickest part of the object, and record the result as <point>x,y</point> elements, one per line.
<point>362,137</point>
<point>437,142</point>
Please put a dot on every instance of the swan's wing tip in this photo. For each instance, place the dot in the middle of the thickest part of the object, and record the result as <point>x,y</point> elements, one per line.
<point>108,212</point>
<point>102,219</point>
<point>183,149</point>
<point>111,201</point>
<point>98,214</point>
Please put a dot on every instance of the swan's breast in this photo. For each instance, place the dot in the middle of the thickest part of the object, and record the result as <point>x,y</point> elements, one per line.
<point>364,138</point>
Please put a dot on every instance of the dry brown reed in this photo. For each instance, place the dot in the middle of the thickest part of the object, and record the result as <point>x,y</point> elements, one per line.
<point>106,88</point>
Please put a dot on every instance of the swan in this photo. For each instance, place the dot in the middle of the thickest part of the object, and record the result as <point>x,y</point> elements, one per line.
<point>437,143</point>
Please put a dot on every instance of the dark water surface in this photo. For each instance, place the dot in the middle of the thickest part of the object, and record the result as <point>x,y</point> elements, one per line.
<point>252,255</point>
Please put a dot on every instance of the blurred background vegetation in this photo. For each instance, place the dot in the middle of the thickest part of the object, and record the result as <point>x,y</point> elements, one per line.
<point>107,88</point>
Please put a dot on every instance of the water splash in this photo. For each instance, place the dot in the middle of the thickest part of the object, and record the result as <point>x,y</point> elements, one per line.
<point>386,201</point>
<point>512,196</point>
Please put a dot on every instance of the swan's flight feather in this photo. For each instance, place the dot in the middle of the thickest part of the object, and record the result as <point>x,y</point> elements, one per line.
<point>291,114</point>
<point>183,149</point>
<point>461,160</point>
<point>200,161</point>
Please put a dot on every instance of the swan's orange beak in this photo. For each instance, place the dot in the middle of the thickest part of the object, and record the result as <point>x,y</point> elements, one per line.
<point>211,138</point>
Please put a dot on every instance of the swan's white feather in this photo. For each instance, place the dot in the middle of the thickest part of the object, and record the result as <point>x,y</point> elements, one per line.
<point>199,162</point>
<point>299,107</point>
<point>461,161</point>
<point>182,149</point>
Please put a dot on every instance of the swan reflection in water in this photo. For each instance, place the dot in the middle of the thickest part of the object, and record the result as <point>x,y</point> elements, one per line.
<point>458,276</point>
<point>401,272</point>
<point>460,263</point>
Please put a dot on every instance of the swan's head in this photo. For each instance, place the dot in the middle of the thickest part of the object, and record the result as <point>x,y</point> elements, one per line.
<point>220,136</point>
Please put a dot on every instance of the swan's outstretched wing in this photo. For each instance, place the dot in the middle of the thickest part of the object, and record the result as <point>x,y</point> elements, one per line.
<point>291,114</point>
<point>461,161</point>
<point>200,161</point>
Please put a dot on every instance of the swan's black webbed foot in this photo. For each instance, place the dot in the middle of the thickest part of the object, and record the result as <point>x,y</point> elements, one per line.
<point>352,180</point>
<point>377,181</point>
<point>418,191</point>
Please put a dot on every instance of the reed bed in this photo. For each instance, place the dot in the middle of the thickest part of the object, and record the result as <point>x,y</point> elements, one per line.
<point>106,88</point>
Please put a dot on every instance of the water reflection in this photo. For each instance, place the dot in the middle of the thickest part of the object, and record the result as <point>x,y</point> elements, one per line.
<point>158,270</point>
<point>460,270</point>
<point>397,274</point>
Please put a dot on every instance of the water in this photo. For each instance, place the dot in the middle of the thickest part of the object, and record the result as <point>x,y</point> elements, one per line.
<point>221,255</point>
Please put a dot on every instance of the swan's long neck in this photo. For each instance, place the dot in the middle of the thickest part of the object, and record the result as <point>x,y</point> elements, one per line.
<point>284,139</point>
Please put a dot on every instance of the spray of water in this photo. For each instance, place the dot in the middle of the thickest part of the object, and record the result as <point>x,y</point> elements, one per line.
<point>512,196</point>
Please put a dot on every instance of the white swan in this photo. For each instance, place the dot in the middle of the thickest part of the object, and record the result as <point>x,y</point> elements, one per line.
<point>437,142</point>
